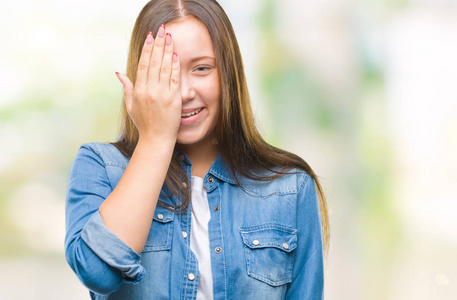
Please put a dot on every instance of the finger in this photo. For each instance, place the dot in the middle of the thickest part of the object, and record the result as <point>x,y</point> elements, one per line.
<point>165,70</point>
<point>128,90</point>
<point>143,64</point>
<point>175,74</point>
<point>156,57</point>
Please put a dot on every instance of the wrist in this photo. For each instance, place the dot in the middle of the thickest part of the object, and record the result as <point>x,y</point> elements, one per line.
<point>156,142</point>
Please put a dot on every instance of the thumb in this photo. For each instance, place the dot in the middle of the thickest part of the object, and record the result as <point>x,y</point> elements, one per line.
<point>128,89</point>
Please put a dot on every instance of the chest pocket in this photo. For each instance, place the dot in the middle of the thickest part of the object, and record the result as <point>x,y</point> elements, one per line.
<point>161,232</point>
<point>269,252</point>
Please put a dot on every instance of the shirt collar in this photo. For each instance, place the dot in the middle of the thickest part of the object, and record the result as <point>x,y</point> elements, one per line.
<point>218,169</point>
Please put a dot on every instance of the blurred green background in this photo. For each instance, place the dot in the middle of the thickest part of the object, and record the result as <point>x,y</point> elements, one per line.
<point>364,91</point>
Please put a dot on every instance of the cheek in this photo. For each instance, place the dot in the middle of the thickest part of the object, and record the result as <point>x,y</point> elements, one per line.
<point>211,92</point>
<point>214,96</point>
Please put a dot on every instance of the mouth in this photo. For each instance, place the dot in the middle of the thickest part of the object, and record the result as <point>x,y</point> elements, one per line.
<point>192,116</point>
<point>192,113</point>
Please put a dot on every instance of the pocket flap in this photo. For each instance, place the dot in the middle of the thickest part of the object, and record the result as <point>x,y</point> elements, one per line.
<point>163,215</point>
<point>272,235</point>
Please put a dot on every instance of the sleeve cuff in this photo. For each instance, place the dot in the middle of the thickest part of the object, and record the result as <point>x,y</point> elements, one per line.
<point>112,250</point>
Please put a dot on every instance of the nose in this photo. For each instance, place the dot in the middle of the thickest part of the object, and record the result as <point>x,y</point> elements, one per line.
<point>187,89</point>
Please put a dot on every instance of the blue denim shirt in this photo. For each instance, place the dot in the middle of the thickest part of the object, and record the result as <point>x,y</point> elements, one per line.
<point>269,236</point>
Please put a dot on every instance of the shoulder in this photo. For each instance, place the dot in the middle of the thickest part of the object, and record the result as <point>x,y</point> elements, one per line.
<point>106,154</point>
<point>293,182</point>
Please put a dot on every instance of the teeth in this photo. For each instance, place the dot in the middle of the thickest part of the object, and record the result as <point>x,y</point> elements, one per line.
<point>191,113</point>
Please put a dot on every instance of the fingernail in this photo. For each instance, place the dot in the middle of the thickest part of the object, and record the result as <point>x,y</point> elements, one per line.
<point>119,77</point>
<point>161,32</point>
<point>149,38</point>
<point>168,39</point>
<point>175,57</point>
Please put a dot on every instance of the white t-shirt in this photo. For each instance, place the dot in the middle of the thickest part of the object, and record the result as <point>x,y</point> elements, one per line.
<point>199,239</point>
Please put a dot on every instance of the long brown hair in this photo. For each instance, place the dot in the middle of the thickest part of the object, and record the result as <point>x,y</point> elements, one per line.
<point>241,146</point>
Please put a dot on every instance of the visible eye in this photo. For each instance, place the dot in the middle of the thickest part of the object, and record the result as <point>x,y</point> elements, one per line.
<point>202,69</point>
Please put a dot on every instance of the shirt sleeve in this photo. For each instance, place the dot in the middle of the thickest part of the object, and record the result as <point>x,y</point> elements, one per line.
<point>101,260</point>
<point>308,273</point>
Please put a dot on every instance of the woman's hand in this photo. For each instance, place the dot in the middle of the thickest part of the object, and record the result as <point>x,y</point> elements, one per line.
<point>154,103</point>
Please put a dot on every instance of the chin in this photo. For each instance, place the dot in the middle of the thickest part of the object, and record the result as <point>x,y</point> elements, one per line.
<point>188,139</point>
<point>193,138</point>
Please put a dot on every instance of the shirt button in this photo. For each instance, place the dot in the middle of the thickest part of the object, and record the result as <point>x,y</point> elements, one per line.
<point>182,157</point>
<point>184,185</point>
<point>218,249</point>
<point>184,234</point>
<point>210,179</point>
<point>160,216</point>
<point>216,208</point>
<point>191,276</point>
<point>255,242</point>
<point>285,245</point>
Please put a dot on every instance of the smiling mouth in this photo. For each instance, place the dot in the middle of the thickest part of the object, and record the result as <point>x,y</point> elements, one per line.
<point>191,113</point>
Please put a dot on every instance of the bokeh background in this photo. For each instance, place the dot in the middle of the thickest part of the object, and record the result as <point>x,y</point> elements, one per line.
<point>365,91</point>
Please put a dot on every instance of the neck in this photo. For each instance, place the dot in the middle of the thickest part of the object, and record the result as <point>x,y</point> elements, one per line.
<point>201,155</point>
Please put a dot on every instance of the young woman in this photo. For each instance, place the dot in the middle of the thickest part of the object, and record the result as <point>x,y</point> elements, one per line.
<point>191,202</point>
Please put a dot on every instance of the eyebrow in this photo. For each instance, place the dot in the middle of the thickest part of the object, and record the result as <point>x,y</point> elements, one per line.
<point>200,58</point>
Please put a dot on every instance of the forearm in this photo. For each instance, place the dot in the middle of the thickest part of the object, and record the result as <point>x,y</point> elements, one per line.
<point>129,209</point>
<point>90,267</point>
